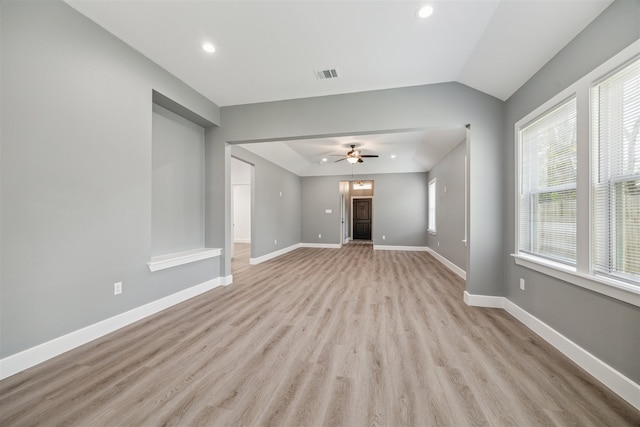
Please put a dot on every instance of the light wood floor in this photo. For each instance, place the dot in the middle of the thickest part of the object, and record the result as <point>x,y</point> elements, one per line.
<point>344,337</point>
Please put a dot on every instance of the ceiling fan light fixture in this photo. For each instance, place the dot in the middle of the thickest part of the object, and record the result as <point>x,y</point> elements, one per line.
<point>352,159</point>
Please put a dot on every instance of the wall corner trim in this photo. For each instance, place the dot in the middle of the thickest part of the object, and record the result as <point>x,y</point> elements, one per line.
<point>25,359</point>
<point>460,272</point>
<point>486,301</point>
<point>610,377</point>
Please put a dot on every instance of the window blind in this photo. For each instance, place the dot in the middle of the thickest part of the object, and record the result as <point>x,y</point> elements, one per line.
<point>547,211</point>
<point>615,107</point>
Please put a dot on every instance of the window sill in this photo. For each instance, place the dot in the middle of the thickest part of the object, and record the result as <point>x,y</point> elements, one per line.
<point>180,258</point>
<point>611,288</point>
<point>431,232</point>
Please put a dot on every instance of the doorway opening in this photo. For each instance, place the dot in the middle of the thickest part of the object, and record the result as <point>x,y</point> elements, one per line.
<point>241,210</point>
<point>356,211</point>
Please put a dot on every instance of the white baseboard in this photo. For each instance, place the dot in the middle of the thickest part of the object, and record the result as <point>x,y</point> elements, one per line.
<point>272,255</point>
<point>399,248</point>
<point>460,272</point>
<point>30,357</point>
<point>267,257</point>
<point>610,377</point>
<point>321,245</point>
<point>242,241</point>
<point>484,300</point>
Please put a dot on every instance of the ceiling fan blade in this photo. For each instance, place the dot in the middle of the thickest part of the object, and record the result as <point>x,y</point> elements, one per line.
<point>339,160</point>
<point>360,160</point>
<point>369,155</point>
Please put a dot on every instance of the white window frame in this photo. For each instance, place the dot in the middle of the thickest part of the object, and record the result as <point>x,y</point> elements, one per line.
<point>581,274</point>
<point>609,236</point>
<point>535,172</point>
<point>431,214</point>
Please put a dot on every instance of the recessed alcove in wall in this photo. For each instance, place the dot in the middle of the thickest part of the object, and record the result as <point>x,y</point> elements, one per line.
<point>178,186</point>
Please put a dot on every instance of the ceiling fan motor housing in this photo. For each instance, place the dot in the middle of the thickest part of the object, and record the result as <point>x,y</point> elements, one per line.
<point>355,156</point>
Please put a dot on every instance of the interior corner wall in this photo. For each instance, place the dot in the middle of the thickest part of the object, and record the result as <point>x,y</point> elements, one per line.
<point>275,205</point>
<point>605,327</point>
<point>450,207</point>
<point>76,175</point>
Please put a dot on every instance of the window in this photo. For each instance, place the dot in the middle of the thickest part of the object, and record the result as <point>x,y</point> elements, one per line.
<point>547,197</point>
<point>615,121</point>
<point>360,185</point>
<point>431,227</point>
<point>578,182</point>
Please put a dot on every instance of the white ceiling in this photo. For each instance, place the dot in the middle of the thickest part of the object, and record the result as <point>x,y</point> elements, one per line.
<point>268,51</point>
<point>413,151</point>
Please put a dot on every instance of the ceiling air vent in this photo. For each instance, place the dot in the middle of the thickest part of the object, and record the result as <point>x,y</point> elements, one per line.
<point>331,73</point>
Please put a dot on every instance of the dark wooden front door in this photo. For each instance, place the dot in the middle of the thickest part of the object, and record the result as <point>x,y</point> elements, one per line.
<point>362,219</point>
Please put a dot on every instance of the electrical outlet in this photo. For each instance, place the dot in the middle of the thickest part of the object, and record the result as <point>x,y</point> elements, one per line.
<point>319,236</point>
<point>438,244</point>
<point>275,242</point>
<point>384,237</point>
<point>117,288</point>
<point>522,284</point>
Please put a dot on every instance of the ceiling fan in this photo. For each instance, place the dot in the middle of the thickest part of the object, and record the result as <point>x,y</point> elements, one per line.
<point>354,156</point>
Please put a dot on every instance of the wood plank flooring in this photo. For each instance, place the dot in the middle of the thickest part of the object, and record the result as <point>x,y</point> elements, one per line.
<point>318,337</point>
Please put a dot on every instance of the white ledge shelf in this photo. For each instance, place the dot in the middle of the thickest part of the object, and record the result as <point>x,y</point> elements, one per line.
<point>612,288</point>
<point>180,258</point>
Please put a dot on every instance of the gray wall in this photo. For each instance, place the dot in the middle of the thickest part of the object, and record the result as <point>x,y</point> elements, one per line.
<point>399,208</point>
<point>274,217</point>
<point>449,174</point>
<point>607,328</point>
<point>448,104</point>
<point>76,175</point>
<point>177,201</point>
<point>320,193</point>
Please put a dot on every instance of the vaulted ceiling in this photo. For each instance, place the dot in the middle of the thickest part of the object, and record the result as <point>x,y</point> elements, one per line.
<point>270,50</point>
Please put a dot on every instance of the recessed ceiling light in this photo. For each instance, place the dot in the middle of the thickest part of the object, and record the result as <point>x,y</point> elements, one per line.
<point>324,160</point>
<point>425,12</point>
<point>208,47</point>
<point>393,156</point>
